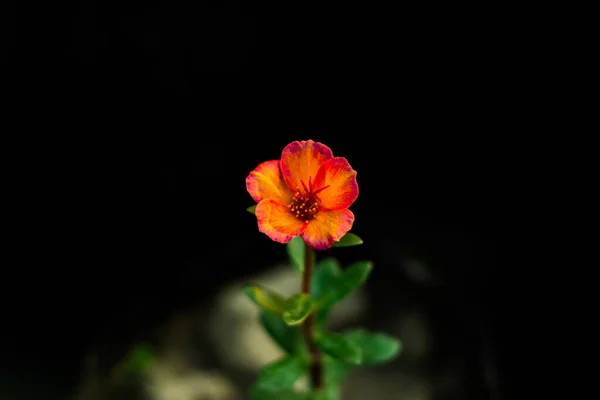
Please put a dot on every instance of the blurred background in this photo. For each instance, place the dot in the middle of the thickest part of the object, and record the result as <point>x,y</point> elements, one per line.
<point>137,125</point>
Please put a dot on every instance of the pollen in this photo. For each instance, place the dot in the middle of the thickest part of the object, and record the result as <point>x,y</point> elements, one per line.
<point>305,203</point>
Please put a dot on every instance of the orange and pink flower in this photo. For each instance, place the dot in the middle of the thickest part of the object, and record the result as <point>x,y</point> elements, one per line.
<point>306,193</point>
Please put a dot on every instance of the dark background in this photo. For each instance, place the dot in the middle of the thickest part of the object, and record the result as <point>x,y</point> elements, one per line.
<point>137,124</point>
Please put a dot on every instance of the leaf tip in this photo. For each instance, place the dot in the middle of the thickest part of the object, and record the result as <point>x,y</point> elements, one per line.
<point>290,320</point>
<point>356,358</point>
<point>349,239</point>
<point>395,346</point>
<point>248,290</point>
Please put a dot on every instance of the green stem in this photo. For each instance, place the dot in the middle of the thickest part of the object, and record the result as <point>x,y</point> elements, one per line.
<point>308,327</point>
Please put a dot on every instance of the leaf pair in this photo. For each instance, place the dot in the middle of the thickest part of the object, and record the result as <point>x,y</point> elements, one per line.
<point>359,347</point>
<point>293,310</point>
<point>275,381</point>
<point>330,284</point>
<point>296,254</point>
<point>342,352</point>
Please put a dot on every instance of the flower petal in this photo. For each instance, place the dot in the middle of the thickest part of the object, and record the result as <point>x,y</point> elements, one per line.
<point>341,179</point>
<point>277,222</point>
<point>301,161</point>
<point>327,227</point>
<point>266,182</point>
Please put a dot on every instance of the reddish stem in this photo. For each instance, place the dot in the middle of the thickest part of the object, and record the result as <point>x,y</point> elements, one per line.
<point>308,327</point>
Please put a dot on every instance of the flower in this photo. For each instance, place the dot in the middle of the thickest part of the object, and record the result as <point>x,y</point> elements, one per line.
<point>306,193</point>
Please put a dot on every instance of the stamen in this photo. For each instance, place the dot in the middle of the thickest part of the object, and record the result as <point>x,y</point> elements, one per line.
<point>304,185</point>
<point>320,190</point>
<point>305,204</point>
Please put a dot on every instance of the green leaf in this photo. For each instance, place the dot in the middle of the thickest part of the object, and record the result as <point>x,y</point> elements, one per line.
<point>351,279</point>
<point>265,298</point>
<point>140,359</point>
<point>327,393</point>
<point>339,347</point>
<point>257,393</point>
<point>335,371</point>
<point>376,348</point>
<point>295,250</point>
<point>297,308</point>
<point>281,374</point>
<point>324,275</point>
<point>349,239</point>
<point>251,209</point>
<point>287,337</point>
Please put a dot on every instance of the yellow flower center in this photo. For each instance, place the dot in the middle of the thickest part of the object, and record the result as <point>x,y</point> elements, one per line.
<point>305,203</point>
